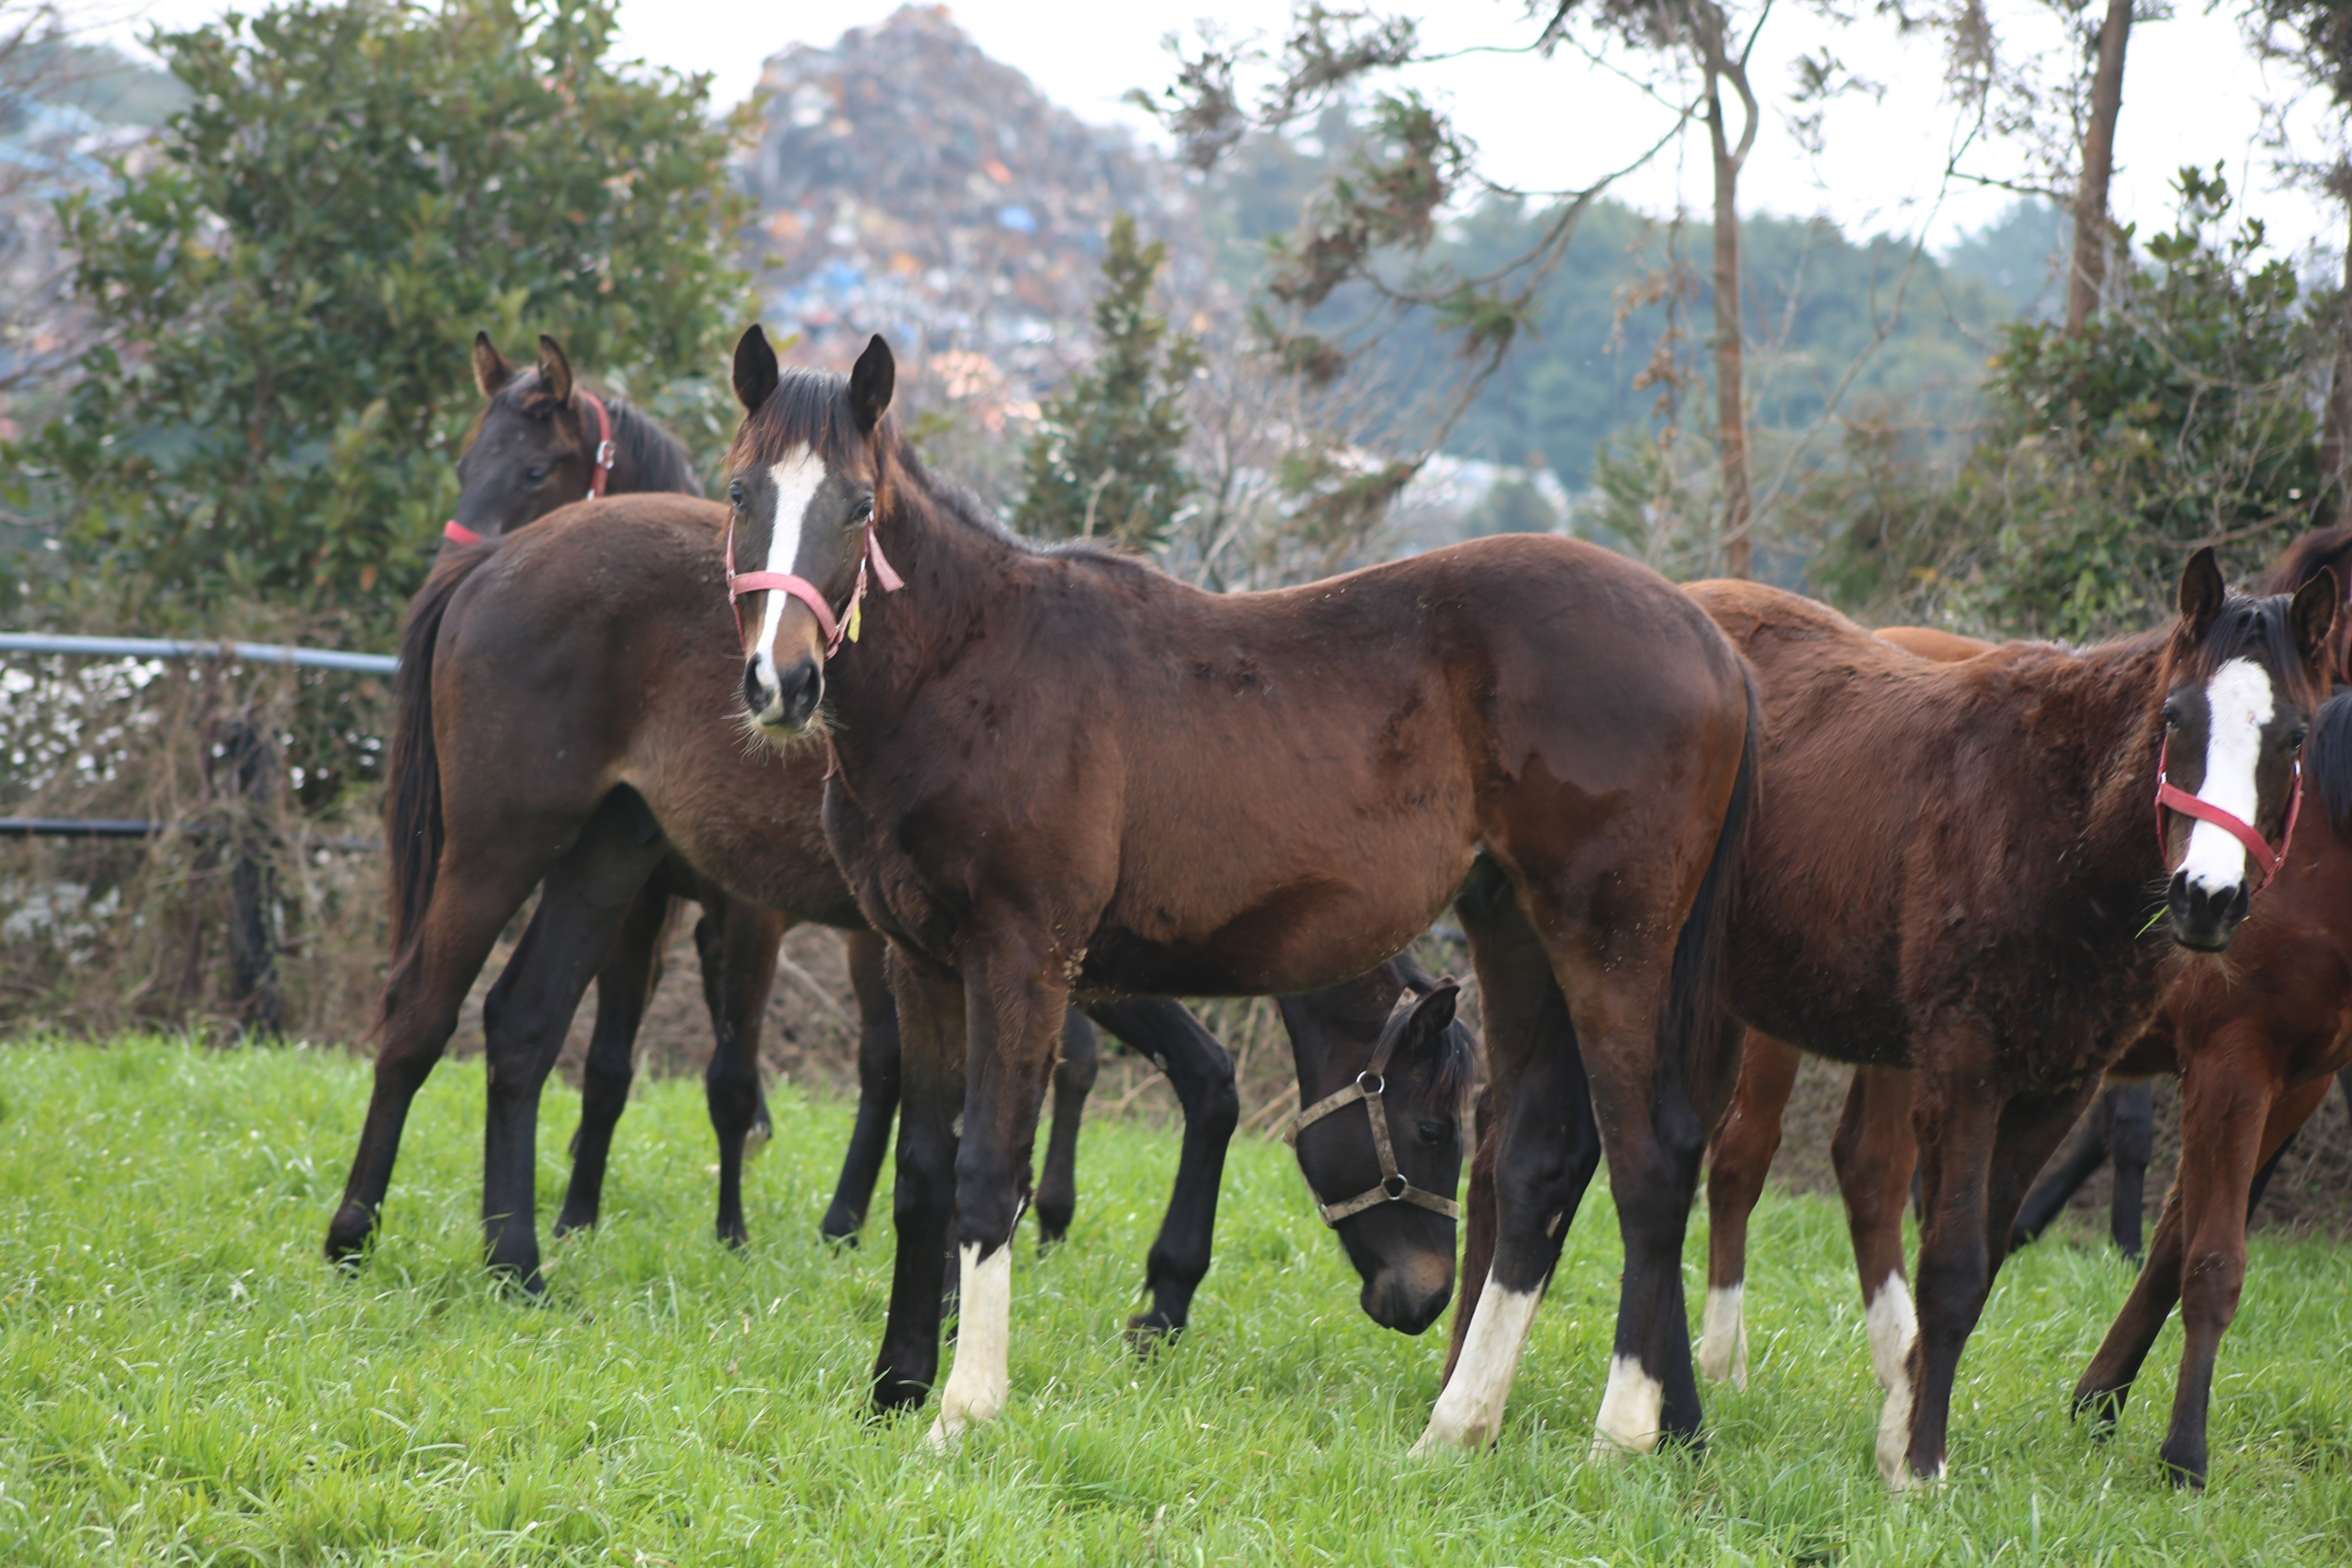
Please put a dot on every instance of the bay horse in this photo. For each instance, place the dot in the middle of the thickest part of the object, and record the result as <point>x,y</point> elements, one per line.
<point>543,440</point>
<point>1058,772</point>
<point>1986,928</point>
<point>567,717</point>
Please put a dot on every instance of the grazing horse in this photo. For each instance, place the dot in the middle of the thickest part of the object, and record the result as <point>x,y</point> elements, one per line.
<point>568,715</point>
<point>1057,772</point>
<point>1972,903</point>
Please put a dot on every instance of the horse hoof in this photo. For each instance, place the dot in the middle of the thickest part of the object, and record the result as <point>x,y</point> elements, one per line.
<point>840,1228</point>
<point>2185,1471</point>
<point>735,1238</point>
<point>566,1224</point>
<point>347,1235</point>
<point>1147,1332</point>
<point>2104,1407</point>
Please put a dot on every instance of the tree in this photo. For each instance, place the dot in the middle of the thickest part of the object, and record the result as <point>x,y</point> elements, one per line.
<point>2093,231</point>
<point>2181,415</point>
<point>285,292</point>
<point>1106,461</point>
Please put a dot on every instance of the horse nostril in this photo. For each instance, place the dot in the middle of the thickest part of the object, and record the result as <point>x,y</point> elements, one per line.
<point>753,698</point>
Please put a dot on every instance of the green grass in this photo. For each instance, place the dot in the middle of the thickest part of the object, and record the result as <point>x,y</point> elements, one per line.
<point>185,1381</point>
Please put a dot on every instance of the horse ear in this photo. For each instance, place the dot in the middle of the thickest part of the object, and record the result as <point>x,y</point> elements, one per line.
<point>491,370</point>
<point>2314,612</point>
<point>554,370</point>
<point>2201,592</point>
<point>871,384</point>
<point>1430,1016</point>
<point>756,374</point>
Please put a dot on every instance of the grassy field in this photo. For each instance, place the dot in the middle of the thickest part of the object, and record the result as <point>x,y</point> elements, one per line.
<point>184,1380</point>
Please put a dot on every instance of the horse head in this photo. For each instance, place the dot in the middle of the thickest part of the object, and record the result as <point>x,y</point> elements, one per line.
<point>1379,1135</point>
<point>805,481</point>
<point>535,447</point>
<point>2243,676</point>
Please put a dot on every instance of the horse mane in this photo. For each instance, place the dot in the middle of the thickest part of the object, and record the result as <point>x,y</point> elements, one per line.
<point>660,458</point>
<point>2252,627</point>
<point>2304,559</point>
<point>2328,758</point>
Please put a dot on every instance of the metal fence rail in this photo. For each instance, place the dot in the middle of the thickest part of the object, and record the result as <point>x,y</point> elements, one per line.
<point>176,647</point>
<point>242,767</point>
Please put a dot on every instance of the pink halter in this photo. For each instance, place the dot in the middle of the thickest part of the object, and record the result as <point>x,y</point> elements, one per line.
<point>835,631</point>
<point>600,471</point>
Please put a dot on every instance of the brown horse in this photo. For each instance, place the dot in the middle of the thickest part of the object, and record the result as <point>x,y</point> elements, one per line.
<point>1058,772</point>
<point>2256,1046</point>
<point>542,441</point>
<point>567,717</point>
<point>1955,873</point>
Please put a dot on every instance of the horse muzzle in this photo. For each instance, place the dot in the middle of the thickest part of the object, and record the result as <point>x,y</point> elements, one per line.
<point>2203,918</point>
<point>785,700</point>
<point>1410,1294</point>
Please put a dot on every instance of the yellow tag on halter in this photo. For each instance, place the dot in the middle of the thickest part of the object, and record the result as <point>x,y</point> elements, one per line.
<point>857,607</point>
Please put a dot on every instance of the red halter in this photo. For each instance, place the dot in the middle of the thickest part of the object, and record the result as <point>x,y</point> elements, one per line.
<point>2171,795</point>
<point>835,631</point>
<point>456,532</point>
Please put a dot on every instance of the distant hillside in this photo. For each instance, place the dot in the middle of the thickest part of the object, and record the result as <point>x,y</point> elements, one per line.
<point>908,183</point>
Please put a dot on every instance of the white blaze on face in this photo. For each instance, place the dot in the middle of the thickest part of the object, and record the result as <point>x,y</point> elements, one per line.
<point>1629,1408</point>
<point>1893,1326</point>
<point>2240,703</point>
<point>1469,1413</point>
<point>982,1376</point>
<point>1723,1335</point>
<point>797,479</point>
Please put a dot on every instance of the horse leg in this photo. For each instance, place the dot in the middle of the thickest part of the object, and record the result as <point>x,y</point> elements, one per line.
<point>877,1088</point>
<point>2059,1184</point>
<point>1738,1158</point>
<point>929,1013</point>
<point>2232,1114</point>
<point>1015,995</point>
<point>2131,1142</point>
<point>1978,1154</point>
<point>587,895</point>
<point>745,946</point>
<point>1202,1074</point>
<point>1875,1152</point>
<point>623,986</point>
<point>1074,1079</point>
<point>1541,1148</point>
<point>478,888</point>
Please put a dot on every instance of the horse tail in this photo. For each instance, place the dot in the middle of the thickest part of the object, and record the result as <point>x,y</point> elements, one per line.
<point>1698,1041</point>
<point>412,828</point>
<point>2328,759</point>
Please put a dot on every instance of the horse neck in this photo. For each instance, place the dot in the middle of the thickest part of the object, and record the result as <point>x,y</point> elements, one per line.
<point>645,456</point>
<point>952,568</point>
<point>2115,689</point>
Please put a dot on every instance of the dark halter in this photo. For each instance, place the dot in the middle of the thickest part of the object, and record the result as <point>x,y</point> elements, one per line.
<point>1368,1087</point>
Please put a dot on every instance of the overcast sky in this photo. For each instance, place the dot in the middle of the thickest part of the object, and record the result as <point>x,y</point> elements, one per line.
<point>2191,95</point>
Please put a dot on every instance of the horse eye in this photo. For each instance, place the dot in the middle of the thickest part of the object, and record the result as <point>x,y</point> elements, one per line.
<point>2171,717</point>
<point>865,510</point>
<point>735,492</point>
<point>1432,1133</point>
<point>534,474</point>
<point>2294,741</point>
